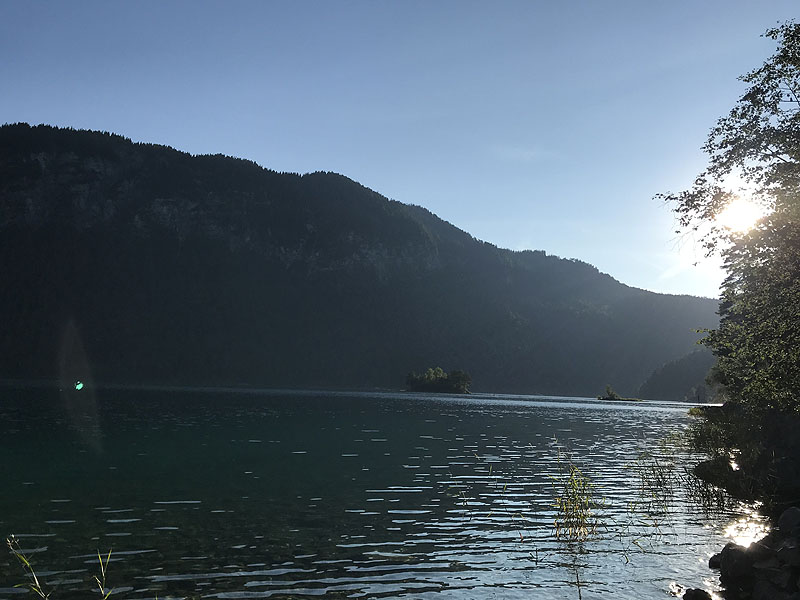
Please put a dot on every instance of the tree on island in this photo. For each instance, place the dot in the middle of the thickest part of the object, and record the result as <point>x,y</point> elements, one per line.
<point>610,394</point>
<point>757,344</point>
<point>436,380</point>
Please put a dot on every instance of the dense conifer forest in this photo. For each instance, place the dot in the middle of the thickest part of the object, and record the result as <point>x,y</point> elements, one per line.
<point>173,268</point>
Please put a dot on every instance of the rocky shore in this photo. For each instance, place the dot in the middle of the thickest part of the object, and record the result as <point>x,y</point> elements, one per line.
<point>768,569</point>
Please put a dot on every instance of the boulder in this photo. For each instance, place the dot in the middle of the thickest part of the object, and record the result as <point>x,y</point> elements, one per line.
<point>716,471</point>
<point>763,550</point>
<point>735,563</point>
<point>789,521</point>
<point>696,594</point>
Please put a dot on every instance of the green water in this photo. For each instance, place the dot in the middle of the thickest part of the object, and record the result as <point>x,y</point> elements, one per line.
<point>294,495</point>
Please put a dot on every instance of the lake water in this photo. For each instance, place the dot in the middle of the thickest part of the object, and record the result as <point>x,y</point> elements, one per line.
<point>223,494</point>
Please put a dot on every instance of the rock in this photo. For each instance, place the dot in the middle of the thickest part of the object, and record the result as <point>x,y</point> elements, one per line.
<point>764,550</point>
<point>772,540</point>
<point>764,590</point>
<point>714,561</point>
<point>789,520</point>
<point>766,564</point>
<point>735,563</point>
<point>789,553</point>
<point>780,578</point>
<point>716,471</point>
<point>696,594</point>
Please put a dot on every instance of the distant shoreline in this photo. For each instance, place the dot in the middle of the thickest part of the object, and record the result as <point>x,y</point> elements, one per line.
<point>254,390</point>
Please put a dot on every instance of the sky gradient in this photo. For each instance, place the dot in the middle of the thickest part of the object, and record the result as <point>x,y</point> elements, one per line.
<point>531,125</point>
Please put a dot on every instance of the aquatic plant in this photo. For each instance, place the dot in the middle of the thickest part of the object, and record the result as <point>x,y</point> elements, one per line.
<point>35,585</point>
<point>575,501</point>
<point>630,522</point>
<point>101,581</point>
<point>657,481</point>
<point>708,497</point>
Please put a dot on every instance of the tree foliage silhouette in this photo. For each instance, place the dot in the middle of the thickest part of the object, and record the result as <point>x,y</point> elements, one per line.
<point>758,341</point>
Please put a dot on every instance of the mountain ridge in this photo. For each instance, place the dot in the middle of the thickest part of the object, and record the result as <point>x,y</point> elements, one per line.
<point>331,268</point>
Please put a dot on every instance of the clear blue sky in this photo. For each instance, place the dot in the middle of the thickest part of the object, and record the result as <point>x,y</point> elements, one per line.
<point>534,124</point>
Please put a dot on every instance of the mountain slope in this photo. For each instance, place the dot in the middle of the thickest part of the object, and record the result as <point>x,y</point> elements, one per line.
<point>681,379</point>
<point>209,269</point>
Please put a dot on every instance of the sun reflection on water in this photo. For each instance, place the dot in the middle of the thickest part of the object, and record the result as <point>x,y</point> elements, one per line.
<point>749,528</point>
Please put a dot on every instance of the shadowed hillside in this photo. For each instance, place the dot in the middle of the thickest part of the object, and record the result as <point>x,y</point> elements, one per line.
<point>212,270</point>
<point>681,379</point>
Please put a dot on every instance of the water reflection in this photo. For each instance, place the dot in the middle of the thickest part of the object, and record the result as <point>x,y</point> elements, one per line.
<point>351,496</point>
<point>750,527</point>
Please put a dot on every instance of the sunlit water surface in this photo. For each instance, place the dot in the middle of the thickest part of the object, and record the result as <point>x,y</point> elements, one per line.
<point>374,495</point>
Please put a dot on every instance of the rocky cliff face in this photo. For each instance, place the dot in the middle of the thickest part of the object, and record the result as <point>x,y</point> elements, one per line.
<point>212,269</point>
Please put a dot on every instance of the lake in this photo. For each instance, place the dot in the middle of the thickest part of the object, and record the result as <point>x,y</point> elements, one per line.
<point>278,494</point>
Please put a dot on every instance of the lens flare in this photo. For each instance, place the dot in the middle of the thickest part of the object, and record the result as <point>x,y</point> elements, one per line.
<point>740,216</point>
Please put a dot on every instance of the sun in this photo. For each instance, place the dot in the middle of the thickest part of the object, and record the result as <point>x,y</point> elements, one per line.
<point>740,215</point>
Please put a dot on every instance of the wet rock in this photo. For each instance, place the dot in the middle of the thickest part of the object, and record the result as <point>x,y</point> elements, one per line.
<point>768,569</point>
<point>735,563</point>
<point>763,550</point>
<point>789,521</point>
<point>714,561</point>
<point>736,573</point>
<point>771,541</point>
<point>696,594</point>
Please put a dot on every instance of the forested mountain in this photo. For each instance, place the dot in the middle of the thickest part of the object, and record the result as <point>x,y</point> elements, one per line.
<point>681,379</point>
<point>172,268</point>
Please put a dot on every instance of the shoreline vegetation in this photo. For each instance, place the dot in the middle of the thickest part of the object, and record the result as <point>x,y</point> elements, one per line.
<point>751,441</point>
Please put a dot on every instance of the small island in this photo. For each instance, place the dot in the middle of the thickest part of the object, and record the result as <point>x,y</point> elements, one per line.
<point>612,395</point>
<point>436,380</point>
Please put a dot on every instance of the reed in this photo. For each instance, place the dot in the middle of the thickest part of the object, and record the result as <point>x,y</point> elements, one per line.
<point>657,482</point>
<point>35,585</point>
<point>575,501</point>
<point>101,581</point>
